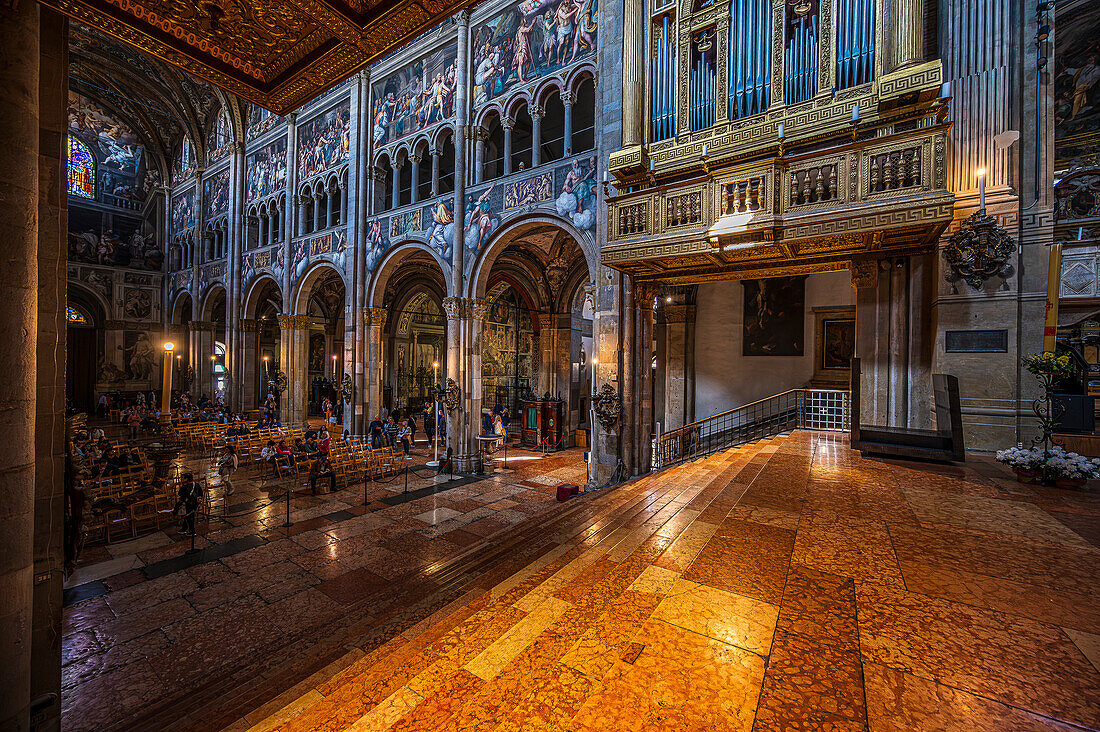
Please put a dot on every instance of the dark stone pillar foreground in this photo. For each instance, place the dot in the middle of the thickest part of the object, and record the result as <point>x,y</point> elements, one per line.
<point>19,80</point>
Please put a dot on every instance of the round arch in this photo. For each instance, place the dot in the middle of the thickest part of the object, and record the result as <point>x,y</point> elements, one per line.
<point>259,286</point>
<point>309,278</point>
<point>506,235</point>
<point>394,257</point>
<point>91,299</point>
<point>177,310</point>
<point>209,299</point>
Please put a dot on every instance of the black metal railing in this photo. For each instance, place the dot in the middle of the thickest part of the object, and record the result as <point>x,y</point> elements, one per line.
<point>813,409</point>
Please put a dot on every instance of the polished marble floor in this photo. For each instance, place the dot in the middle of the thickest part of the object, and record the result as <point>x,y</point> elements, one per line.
<point>787,585</point>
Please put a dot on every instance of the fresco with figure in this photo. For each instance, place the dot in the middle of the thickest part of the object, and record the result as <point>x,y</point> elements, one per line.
<point>260,121</point>
<point>266,170</point>
<point>529,40</point>
<point>125,246</point>
<point>215,194</point>
<point>118,153</point>
<point>184,164</point>
<point>415,97</point>
<point>569,190</point>
<point>324,141</point>
<point>183,210</point>
<point>1077,82</point>
<point>774,322</point>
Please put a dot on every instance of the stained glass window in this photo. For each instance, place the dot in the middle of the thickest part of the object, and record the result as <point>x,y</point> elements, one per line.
<point>81,170</point>
<point>74,316</point>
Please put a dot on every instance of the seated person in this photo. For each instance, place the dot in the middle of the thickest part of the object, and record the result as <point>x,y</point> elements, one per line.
<point>284,452</point>
<point>311,447</point>
<point>324,442</point>
<point>322,468</point>
<point>271,456</point>
<point>311,434</point>
<point>403,433</point>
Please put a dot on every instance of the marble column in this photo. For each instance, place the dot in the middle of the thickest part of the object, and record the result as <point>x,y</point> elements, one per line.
<point>567,122</point>
<point>508,124</point>
<point>343,218</point>
<point>414,175</point>
<point>19,190</point>
<point>455,309</point>
<point>294,347</point>
<point>536,136</point>
<point>477,312</point>
<point>330,206</point>
<point>395,192</point>
<point>303,215</point>
<point>251,386</point>
<point>233,362</point>
<point>317,211</point>
<point>480,138</point>
<point>200,350</point>
<point>677,399</point>
<point>435,172</point>
<point>375,319</point>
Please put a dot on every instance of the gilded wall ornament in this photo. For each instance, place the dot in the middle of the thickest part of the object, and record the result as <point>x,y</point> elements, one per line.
<point>980,249</point>
<point>346,388</point>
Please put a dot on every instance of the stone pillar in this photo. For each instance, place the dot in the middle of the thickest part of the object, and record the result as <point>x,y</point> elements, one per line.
<point>233,367</point>
<point>19,190</point>
<point>643,428</point>
<point>316,211</point>
<point>395,192</point>
<point>435,172</point>
<point>477,311</point>
<point>908,33</point>
<point>375,320</point>
<point>200,349</point>
<point>303,201</point>
<point>344,218</point>
<point>455,308</point>
<point>251,386</point>
<point>676,347</point>
<point>546,352</point>
<point>567,100</point>
<point>294,346</point>
<point>508,124</point>
<point>536,136</point>
<point>480,137</point>
<point>414,174</point>
<point>330,207</point>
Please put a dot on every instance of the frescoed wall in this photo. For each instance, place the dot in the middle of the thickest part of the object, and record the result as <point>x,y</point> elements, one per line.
<point>217,141</point>
<point>266,170</point>
<point>260,121</point>
<point>124,246</point>
<point>529,40</point>
<point>416,97</point>
<point>1077,82</point>
<point>119,156</point>
<point>184,164</point>
<point>324,141</point>
<point>215,194</point>
<point>183,210</point>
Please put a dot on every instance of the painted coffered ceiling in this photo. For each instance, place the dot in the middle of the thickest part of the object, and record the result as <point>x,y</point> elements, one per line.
<point>276,53</point>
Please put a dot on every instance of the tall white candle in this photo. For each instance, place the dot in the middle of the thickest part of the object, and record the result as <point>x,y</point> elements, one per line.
<point>981,189</point>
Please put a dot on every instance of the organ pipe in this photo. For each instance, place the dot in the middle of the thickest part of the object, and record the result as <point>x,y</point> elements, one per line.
<point>801,58</point>
<point>855,42</point>
<point>750,58</point>
<point>664,83</point>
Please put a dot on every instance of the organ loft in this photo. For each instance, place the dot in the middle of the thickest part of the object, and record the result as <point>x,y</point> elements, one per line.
<point>549,364</point>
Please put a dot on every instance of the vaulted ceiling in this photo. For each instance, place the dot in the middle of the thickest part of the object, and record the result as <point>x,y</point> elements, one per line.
<point>158,102</point>
<point>276,53</point>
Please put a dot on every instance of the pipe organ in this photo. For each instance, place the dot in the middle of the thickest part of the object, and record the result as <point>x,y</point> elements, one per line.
<point>663,80</point>
<point>702,87</point>
<point>750,61</point>
<point>855,42</point>
<point>800,53</point>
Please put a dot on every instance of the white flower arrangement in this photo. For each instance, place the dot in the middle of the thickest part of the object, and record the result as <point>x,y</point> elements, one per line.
<point>1057,463</point>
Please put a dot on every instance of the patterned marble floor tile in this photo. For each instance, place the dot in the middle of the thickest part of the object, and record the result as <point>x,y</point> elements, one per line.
<point>852,547</point>
<point>734,619</point>
<point>1002,657</point>
<point>745,558</point>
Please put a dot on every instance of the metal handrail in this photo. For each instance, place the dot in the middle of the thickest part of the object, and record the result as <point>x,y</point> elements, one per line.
<point>816,409</point>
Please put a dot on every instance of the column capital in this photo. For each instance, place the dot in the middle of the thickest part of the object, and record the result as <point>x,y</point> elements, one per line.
<point>546,321</point>
<point>479,308</point>
<point>644,292</point>
<point>463,16</point>
<point>248,325</point>
<point>414,159</point>
<point>679,313</point>
<point>567,98</point>
<point>508,123</point>
<point>454,307</point>
<point>375,316</point>
<point>480,133</point>
<point>295,322</point>
<point>535,111</point>
<point>864,273</point>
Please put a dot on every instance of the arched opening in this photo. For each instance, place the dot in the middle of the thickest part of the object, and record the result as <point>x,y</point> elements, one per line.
<point>552,129</point>
<point>423,171</point>
<point>384,196</point>
<point>446,162</point>
<point>208,366</point>
<point>521,140</point>
<point>584,116</point>
<point>509,356</point>
<point>261,341</point>
<point>84,318</point>
<point>492,158</point>
<point>417,341</point>
<point>404,180</point>
<point>320,365</point>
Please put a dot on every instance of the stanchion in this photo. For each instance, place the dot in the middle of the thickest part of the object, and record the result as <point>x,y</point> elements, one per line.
<point>287,524</point>
<point>406,478</point>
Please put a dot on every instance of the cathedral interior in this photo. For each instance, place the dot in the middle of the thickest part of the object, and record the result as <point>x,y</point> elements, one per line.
<point>450,365</point>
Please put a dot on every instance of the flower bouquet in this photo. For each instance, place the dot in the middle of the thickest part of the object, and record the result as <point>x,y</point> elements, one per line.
<point>1047,364</point>
<point>1055,466</point>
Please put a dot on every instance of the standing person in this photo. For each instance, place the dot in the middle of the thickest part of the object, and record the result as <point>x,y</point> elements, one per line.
<point>190,493</point>
<point>429,421</point>
<point>375,430</point>
<point>226,466</point>
<point>403,436</point>
<point>101,406</point>
<point>133,421</point>
<point>412,429</point>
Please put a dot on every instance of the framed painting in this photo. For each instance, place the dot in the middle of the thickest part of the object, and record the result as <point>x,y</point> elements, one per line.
<point>774,315</point>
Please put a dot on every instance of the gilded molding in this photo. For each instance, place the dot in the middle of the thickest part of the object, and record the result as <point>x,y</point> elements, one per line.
<point>864,273</point>
<point>248,325</point>
<point>376,316</point>
<point>454,307</point>
<point>295,322</point>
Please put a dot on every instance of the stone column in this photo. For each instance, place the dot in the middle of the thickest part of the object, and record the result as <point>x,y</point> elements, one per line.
<point>375,319</point>
<point>536,136</point>
<point>294,346</point>
<point>477,311</point>
<point>250,386</point>
<point>435,172</point>
<point>414,174</point>
<point>908,33</point>
<point>316,210</point>
<point>303,201</point>
<point>508,124</point>
<point>676,347</point>
<point>480,137</point>
<point>546,352</point>
<point>330,207</point>
<point>643,303</point>
<point>455,308</point>
<point>233,304</point>
<point>395,192</point>
<point>344,218</point>
<point>200,350</point>
<point>19,190</point>
<point>567,104</point>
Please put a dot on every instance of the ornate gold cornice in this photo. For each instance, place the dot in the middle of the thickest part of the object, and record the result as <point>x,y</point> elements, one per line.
<point>295,322</point>
<point>864,273</point>
<point>202,325</point>
<point>679,313</point>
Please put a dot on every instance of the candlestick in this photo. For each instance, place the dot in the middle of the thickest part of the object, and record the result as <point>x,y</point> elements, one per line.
<point>781,131</point>
<point>1080,233</point>
<point>855,113</point>
<point>981,189</point>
